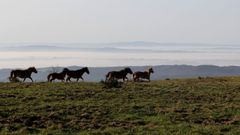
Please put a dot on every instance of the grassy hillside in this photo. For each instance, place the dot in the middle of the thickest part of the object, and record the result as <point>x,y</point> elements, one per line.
<point>189,106</point>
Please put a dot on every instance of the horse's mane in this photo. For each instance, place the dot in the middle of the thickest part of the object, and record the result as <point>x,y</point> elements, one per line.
<point>123,70</point>
<point>31,67</point>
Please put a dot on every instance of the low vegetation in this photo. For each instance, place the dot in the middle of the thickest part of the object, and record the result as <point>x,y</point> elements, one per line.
<point>187,106</point>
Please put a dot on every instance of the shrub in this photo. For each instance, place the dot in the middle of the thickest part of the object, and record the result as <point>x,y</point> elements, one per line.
<point>14,79</point>
<point>111,84</point>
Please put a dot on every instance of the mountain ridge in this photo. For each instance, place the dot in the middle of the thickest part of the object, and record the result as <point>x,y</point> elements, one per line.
<point>160,72</point>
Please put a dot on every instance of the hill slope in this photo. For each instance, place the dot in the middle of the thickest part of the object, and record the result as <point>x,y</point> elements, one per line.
<point>190,106</point>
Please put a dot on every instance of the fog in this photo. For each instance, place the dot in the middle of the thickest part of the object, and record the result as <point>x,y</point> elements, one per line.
<point>122,56</point>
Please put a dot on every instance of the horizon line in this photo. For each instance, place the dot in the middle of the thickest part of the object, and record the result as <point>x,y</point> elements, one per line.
<point>114,42</point>
<point>131,66</point>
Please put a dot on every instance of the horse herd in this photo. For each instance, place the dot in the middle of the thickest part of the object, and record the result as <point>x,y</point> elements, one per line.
<point>67,74</point>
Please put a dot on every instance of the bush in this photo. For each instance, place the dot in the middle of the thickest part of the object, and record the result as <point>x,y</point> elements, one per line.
<point>111,84</point>
<point>14,79</point>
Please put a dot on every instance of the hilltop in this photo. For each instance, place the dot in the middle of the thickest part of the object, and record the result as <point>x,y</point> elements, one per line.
<point>182,106</point>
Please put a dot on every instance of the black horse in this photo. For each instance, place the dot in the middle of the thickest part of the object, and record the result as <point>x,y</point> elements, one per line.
<point>58,76</point>
<point>23,73</point>
<point>77,74</point>
<point>122,74</point>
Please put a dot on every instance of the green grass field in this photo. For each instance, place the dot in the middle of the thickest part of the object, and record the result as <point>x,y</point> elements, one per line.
<point>186,106</point>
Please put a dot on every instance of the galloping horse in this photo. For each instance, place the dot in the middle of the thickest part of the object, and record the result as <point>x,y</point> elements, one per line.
<point>77,74</point>
<point>23,73</point>
<point>58,76</point>
<point>143,75</point>
<point>122,74</point>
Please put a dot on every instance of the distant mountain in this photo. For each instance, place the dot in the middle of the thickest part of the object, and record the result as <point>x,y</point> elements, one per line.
<point>134,44</point>
<point>161,72</point>
<point>116,47</point>
<point>36,48</point>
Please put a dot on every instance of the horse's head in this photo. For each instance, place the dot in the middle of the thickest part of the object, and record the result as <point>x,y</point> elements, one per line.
<point>65,70</point>
<point>86,70</point>
<point>128,70</point>
<point>150,70</point>
<point>33,69</point>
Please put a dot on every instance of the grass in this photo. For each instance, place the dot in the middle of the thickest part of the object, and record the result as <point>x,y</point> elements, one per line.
<point>184,106</point>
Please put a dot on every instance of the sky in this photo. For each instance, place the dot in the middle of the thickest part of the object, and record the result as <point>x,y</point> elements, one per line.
<point>99,21</point>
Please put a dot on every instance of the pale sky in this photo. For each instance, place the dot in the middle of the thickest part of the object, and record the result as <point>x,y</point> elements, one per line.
<point>175,21</point>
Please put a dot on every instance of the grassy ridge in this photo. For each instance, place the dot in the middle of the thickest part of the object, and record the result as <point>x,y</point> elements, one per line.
<point>189,106</point>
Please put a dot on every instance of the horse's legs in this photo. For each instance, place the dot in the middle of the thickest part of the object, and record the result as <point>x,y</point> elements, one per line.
<point>82,79</point>
<point>106,79</point>
<point>31,78</point>
<point>148,78</point>
<point>68,79</point>
<point>51,79</point>
<point>77,79</point>
<point>136,79</point>
<point>112,79</point>
<point>124,79</point>
<point>24,79</point>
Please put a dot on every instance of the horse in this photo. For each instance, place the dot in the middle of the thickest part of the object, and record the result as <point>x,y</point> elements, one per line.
<point>143,75</point>
<point>58,76</point>
<point>77,74</point>
<point>122,74</point>
<point>23,73</point>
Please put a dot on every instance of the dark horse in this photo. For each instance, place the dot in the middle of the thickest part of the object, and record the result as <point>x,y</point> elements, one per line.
<point>77,74</point>
<point>143,75</point>
<point>58,76</point>
<point>122,74</point>
<point>23,73</point>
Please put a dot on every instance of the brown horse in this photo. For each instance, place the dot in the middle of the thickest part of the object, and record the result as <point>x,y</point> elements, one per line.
<point>143,75</point>
<point>58,76</point>
<point>23,73</point>
<point>77,74</point>
<point>122,74</point>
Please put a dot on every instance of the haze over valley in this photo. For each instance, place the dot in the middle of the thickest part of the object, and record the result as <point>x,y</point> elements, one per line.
<point>117,54</point>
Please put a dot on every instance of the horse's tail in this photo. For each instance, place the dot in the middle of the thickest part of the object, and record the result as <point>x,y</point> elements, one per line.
<point>12,74</point>
<point>135,77</point>
<point>107,76</point>
<point>49,77</point>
